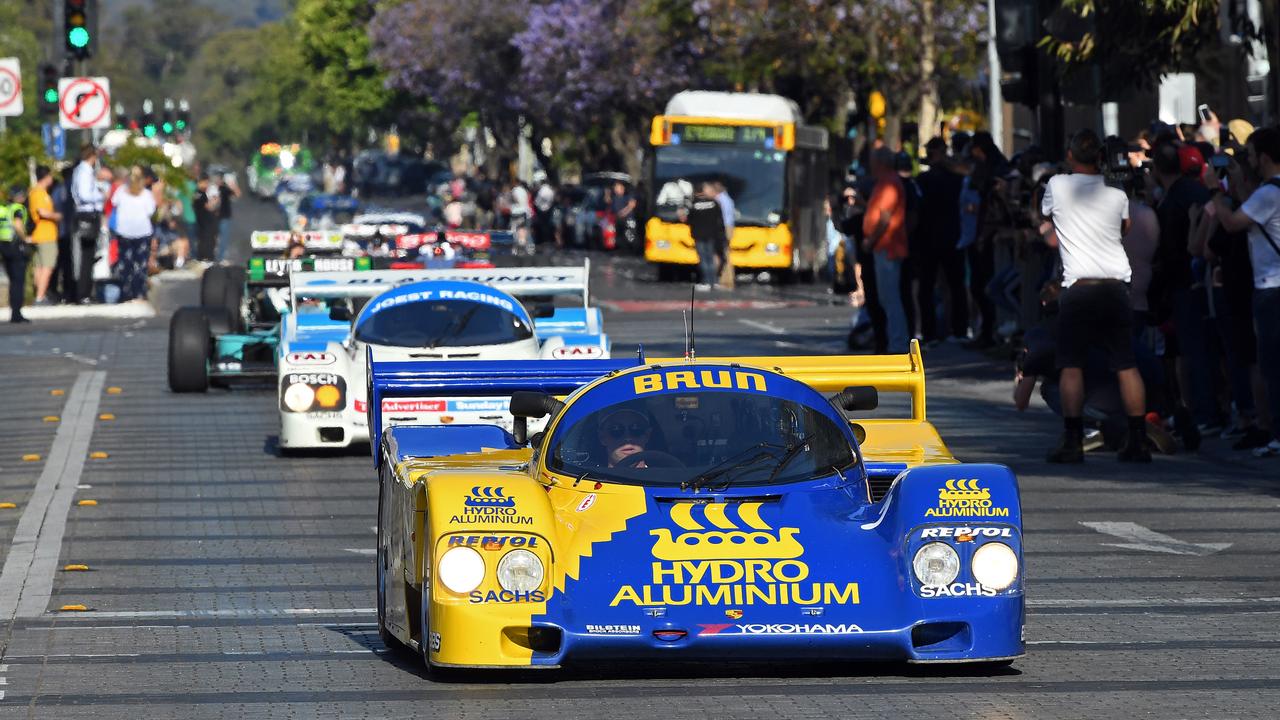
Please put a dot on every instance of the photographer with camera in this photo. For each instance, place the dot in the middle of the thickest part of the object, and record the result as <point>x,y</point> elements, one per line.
<point>1260,216</point>
<point>1089,220</point>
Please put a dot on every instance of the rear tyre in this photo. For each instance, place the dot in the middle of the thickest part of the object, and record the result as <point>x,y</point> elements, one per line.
<point>213,285</point>
<point>189,345</point>
<point>233,296</point>
<point>219,319</point>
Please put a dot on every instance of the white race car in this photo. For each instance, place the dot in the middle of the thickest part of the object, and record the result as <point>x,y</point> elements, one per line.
<point>441,314</point>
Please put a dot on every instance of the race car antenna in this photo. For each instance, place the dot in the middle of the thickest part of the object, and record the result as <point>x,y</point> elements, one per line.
<point>690,353</point>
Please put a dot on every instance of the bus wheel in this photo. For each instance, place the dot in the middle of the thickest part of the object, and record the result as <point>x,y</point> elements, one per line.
<point>666,272</point>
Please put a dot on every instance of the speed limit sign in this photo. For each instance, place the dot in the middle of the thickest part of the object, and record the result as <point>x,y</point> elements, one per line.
<point>10,87</point>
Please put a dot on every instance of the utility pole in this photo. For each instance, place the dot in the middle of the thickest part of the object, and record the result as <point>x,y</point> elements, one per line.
<point>995,100</point>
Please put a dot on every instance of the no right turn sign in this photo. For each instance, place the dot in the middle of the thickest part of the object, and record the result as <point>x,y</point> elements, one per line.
<point>84,102</point>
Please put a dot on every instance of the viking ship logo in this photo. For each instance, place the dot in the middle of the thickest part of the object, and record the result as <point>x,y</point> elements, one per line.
<point>488,496</point>
<point>725,539</point>
<point>963,490</point>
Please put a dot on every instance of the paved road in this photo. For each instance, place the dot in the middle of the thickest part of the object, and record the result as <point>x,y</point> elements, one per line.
<point>224,581</point>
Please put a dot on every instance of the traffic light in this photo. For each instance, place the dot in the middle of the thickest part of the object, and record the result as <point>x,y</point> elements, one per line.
<point>148,120</point>
<point>122,120</point>
<point>79,27</point>
<point>184,115</point>
<point>48,89</point>
<point>166,119</point>
<point>1018,32</point>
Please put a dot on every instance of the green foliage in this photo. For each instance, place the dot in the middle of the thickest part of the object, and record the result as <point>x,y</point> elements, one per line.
<point>1145,37</point>
<point>15,149</point>
<point>23,25</point>
<point>348,87</point>
<point>131,154</point>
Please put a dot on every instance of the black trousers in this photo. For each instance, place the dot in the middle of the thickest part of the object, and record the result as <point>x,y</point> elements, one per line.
<point>982,267</point>
<point>88,226</point>
<point>873,308</point>
<point>63,281</point>
<point>15,266</point>
<point>951,264</point>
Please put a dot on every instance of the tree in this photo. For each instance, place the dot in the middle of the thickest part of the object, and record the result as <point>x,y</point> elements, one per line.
<point>457,57</point>
<point>22,25</point>
<point>348,85</point>
<point>1145,37</point>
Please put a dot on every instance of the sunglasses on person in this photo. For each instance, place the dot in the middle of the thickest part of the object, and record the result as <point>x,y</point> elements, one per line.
<point>618,430</point>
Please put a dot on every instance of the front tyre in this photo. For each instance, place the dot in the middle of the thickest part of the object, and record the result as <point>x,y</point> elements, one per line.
<point>189,350</point>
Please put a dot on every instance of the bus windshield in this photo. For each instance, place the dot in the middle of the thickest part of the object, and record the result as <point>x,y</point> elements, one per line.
<point>754,177</point>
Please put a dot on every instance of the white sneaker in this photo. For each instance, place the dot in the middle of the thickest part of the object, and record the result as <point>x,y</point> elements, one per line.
<point>1271,449</point>
<point>702,287</point>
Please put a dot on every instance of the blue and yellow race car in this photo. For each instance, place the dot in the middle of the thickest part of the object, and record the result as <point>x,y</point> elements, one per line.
<point>723,509</point>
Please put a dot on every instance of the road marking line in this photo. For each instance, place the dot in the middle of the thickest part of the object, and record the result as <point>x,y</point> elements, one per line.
<point>767,327</point>
<point>1149,602</point>
<point>26,582</point>
<point>246,613</point>
<point>1143,538</point>
<point>362,551</point>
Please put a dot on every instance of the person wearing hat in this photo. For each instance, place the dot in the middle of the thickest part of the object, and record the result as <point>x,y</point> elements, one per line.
<point>624,433</point>
<point>13,238</point>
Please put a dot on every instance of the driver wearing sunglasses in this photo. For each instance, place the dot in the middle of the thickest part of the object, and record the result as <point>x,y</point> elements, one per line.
<point>624,433</point>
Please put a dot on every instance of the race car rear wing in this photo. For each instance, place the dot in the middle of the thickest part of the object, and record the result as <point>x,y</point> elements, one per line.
<point>886,373</point>
<point>521,282</point>
<point>264,241</point>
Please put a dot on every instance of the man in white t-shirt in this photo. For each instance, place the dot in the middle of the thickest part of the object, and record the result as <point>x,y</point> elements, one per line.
<point>1089,220</point>
<point>1260,215</point>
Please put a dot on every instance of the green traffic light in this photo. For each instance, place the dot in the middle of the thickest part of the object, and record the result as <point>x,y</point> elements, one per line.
<point>167,127</point>
<point>78,37</point>
<point>182,124</point>
<point>51,95</point>
<point>149,131</point>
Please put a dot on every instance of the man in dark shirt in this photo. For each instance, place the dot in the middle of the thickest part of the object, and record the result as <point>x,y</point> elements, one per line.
<point>706,225</point>
<point>206,208</point>
<point>226,192</point>
<point>1176,169</point>
<point>937,233</point>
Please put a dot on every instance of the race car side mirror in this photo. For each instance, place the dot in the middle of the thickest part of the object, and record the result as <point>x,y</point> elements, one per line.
<point>526,404</point>
<point>861,397</point>
<point>340,313</point>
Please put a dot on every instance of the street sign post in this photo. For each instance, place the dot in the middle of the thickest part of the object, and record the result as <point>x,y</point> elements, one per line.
<point>10,88</point>
<point>55,140</point>
<point>84,103</point>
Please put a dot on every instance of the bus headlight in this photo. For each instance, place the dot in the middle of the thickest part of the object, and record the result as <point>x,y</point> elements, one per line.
<point>520,571</point>
<point>936,564</point>
<point>298,397</point>
<point>771,248</point>
<point>461,569</point>
<point>995,565</point>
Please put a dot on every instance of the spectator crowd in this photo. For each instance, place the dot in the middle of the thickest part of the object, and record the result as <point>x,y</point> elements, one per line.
<point>1137,283</point>
<point>93,232</point>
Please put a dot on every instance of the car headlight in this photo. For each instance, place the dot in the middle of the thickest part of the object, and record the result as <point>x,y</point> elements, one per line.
<point>995,565</point>
<point>520,571</point>
<point>298,397</point>
<point>936,564</point>
<point>461,569</point>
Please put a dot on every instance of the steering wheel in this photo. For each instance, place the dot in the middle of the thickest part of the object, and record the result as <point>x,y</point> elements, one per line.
<point>653,458</point>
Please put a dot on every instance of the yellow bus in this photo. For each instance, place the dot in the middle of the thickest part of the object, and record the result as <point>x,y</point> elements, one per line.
<point>772,165</point>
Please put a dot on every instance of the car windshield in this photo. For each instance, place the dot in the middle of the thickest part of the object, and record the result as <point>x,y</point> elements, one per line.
<point>701,438</point>
<point>754,177</point>
<point>268,162</point>
<point>453,323</point>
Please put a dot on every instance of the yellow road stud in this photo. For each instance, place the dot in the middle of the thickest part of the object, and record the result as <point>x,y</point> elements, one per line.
<point>98,455</point>
<point>87,503</point>
<point>57,391</point>
<point>75,568</point>
<point>31,457</point>
<point>106,416</point>
<point>7,506</point>
<point>113,390</point>
<point>73,608</point>
<point>52,418</point>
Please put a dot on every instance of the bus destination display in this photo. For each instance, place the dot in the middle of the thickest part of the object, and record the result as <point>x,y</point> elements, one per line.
<point>726,134</point>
